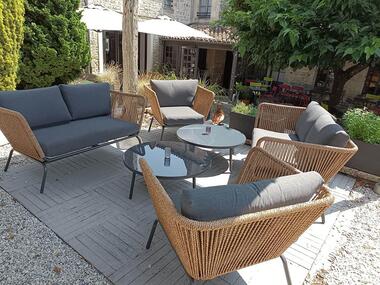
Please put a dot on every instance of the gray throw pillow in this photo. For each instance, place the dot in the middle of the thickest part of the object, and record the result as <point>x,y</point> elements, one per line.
<point>41,107</point>
<point>308,118</point>
<point>87,100</point>
<point>171,93</point>
<point>325,131</point>
<point>219,202</point>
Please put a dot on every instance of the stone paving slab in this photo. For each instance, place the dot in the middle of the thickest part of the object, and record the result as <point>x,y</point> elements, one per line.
<point>86,204</point>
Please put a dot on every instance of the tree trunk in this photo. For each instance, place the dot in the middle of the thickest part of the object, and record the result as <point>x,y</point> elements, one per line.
<point>130,46</point>
<point>337,90</point>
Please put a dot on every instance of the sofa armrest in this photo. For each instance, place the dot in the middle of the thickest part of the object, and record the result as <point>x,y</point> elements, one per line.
<point>128,107</point>
<point>154,104</point>
<point>203,101</point>
<point>260,165</point>
<point>326,160</point>
<point>277,117</point>
<point>19,134</point>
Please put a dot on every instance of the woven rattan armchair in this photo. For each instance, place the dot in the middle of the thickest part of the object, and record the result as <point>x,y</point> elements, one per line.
<point>202,103</point>
<point>211,249</point>
<point>22,138</point>
<point>324,159</point>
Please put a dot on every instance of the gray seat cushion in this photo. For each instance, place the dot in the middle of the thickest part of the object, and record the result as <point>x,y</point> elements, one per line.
<point>87,100</point>
<point>219,202</point>
<point>326,132</point>
<point>40,107</point>
<point>174,92</point>
<point>79,134</point>
<point>260,133</point>
<point>308,118</point>
<point>180,116</point>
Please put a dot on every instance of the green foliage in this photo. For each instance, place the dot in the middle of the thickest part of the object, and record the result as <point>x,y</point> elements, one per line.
<point>306,32</point>
<point>362,125</point>
<point>242,108</point>
<point>11,35</point>
<point>55,48</point>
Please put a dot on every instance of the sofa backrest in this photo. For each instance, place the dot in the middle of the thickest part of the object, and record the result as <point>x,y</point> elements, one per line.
<point>41,107</point>
<point>316,125</point>
<point>219,202</point>
<point>171,93</point>
<point>87,100</point>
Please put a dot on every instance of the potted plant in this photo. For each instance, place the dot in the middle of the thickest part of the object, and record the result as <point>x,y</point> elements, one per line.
<point>244,93</point>
<point>364,128</point>
<point>242,118</point>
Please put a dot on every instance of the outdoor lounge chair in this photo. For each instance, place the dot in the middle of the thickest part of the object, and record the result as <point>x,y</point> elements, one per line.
<point>306,138</point>
<point>208,246</point>
<point>178,102</point>
<point>49,124</point>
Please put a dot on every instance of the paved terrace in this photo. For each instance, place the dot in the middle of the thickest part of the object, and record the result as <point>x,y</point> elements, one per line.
<point>86,204</point>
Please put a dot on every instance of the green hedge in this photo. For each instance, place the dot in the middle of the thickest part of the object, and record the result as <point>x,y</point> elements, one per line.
<point>11,35</point>
<point>55,48</point>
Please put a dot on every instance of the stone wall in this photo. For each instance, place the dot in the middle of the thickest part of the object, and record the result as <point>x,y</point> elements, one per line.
<point>94,50</point>
<point>355,85</point>
<point>302,76</point>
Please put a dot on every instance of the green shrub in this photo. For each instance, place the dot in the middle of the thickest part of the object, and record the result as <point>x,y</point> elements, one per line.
<point>55,48</point>
<point>362,125</point>
<point>11,35</point>
<point>242,108</point>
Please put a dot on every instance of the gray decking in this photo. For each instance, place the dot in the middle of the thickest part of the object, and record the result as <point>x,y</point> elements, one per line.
<point>86,203</point>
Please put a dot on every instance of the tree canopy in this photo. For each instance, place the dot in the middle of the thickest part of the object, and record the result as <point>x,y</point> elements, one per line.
<point>11,35</point>
<point>306,32</point>
<point>55,48</point>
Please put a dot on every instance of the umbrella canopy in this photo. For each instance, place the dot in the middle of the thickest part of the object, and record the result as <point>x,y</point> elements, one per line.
<point>167,27</point>
<point>102,19</point>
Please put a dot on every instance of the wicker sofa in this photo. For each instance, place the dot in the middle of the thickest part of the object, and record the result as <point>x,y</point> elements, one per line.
<point>178,102</point>
<point>49,124</point>
<point>208,246</point>
<point>306,138</point>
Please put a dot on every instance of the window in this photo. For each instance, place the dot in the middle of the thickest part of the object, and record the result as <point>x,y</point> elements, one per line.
<point>171,58</point>
<point>204,9</point>
<point>372,83</point>
<point>168,4</point>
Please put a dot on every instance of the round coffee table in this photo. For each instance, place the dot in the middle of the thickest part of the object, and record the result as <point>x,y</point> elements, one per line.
<point>220,137</point>
<point>181,160</point>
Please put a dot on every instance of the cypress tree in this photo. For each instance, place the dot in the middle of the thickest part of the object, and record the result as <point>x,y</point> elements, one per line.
<point>55,48</point>
<point>11,34</point>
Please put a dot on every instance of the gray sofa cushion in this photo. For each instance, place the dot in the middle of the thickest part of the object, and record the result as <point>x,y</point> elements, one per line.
<point>260,133</point>
<point>214,203</point>
<point>308,118</point>
<point>180,116</point>
<point>174,92</point>
<point>326,132</point>
<point>40,107</point>
<point>82,133</point>
<point>87,100</point>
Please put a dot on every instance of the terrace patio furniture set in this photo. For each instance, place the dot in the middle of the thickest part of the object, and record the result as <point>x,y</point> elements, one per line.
<point>279,193</point>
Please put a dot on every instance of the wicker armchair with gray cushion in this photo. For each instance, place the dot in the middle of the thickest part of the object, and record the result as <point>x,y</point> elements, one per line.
<point>217,230</point>
<point>178,102</point>
<point>49,124</point>
<point>307,138</point>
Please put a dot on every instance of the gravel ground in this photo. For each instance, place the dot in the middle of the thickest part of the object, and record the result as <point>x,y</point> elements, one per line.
<point>351,254</point>
<point>31,253</point>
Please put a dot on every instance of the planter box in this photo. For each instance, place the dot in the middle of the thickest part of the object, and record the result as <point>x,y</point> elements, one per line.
<point>242,123</point>
<point>367,159</point>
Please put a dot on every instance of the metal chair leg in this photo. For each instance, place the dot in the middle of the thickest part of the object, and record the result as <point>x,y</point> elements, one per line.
<point>286,268</point>
<point>323,217</point>
<point>154,226</point>
<point>162,133</point>
<point>132,185</point>
<point>8,160</point>
<point>43,178</point>
<point>150,125</point>
<point>139,139</point>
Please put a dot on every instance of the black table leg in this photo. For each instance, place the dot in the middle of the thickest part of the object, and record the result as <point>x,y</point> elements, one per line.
<point>194,182</point>
<point>231,152</point>
<point>132,185</point>
<point>154,226</point>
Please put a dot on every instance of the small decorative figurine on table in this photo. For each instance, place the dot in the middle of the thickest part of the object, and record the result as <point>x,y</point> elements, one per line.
<point>218,115</point>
